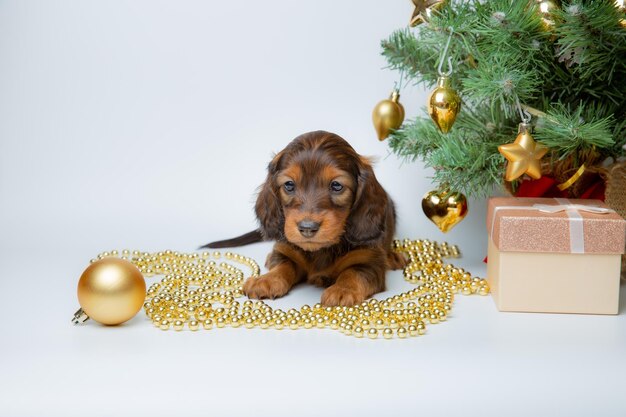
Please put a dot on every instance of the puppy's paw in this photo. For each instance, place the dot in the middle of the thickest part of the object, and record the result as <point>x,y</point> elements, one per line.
<point>337,295</point>
<point>270,285</point>
<point>396,261</point>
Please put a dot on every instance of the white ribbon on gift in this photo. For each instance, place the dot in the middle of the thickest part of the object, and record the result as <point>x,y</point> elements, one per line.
<point>576,224</point>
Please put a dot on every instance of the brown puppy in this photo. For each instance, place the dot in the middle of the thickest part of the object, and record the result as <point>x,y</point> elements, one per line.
<point>332,220</point>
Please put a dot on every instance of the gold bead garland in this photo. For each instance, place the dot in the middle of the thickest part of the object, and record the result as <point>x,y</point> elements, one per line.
<point>197,291</point>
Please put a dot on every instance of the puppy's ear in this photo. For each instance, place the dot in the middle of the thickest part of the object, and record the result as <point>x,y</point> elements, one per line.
<point>366,222</point>
<point>268,207</point>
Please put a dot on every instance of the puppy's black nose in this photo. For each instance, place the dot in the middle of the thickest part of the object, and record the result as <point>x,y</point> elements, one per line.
<point>308,228</point>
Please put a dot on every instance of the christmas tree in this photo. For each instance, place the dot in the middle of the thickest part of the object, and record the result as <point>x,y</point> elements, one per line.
<point>563,62</point>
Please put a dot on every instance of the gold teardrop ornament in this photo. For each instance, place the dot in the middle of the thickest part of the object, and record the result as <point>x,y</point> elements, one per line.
<point>444,104</point>
<point>388,115</point>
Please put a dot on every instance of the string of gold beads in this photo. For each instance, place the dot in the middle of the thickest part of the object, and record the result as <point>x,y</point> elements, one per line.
<point>200,291</point>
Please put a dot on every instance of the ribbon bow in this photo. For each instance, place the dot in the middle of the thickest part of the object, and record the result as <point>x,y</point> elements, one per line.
<point>576,207</point>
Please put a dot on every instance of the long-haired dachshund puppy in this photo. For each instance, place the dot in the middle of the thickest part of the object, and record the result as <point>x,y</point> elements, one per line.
<point>332,221</point>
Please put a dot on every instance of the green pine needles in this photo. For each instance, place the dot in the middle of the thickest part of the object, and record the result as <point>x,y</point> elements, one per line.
<point>568,67</point>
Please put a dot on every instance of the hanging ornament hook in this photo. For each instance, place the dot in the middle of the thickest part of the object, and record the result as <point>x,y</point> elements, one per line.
<point>443,57</point>
<point>398,84</point>
<point>524,114</point>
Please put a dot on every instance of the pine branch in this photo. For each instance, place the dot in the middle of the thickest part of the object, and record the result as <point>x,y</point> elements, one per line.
<point>419,58</point>
<point>416,59</point>
<point>568,132</point>
<point>466,158</point>
<point>499,83</point>
<point>466,167</point>
<point>591,40</point>
<point>414,139</point>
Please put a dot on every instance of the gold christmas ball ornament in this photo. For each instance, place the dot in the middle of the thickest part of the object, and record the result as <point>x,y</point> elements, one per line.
<point>110,291</point>
<point>444,104</point>
<point>524,155</point>
<point>444,208</point>
<point>388,115</point>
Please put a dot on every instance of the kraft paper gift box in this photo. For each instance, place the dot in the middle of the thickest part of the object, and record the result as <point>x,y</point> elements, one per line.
<point>554,255</point>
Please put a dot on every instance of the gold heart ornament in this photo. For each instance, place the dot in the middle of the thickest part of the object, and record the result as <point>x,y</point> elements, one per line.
<point>444,208</point>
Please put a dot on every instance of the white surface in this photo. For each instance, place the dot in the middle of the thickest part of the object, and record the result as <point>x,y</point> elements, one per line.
<point>148,125</point>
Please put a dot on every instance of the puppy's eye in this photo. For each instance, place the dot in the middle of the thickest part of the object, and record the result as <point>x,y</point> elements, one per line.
<point>289,186</point>
<point>336,187</point>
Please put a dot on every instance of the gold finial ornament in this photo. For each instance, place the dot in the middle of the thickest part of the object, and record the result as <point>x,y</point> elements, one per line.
<point>444,104</point>
<point>444,208</point>
<point>423,10</point>
<point>110,291</point>
<point>388,115</point>
<point>524,155</point>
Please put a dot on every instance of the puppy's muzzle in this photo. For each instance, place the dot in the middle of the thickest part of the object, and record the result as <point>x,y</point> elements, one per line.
<point>308,228</point>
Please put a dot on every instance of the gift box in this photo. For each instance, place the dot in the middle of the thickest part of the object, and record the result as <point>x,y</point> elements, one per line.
<point>554,255</point>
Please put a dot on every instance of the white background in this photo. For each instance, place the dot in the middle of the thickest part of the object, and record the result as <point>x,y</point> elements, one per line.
<point>148,125</point>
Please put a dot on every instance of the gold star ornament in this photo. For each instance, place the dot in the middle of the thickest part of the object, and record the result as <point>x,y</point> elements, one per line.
<point>423,10</point>
<point>524,155</point>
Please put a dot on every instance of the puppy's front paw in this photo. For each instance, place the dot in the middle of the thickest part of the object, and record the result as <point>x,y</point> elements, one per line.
<point>336,295</point>
<point>396,261</point>
<point>270,285</point>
